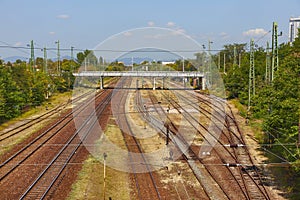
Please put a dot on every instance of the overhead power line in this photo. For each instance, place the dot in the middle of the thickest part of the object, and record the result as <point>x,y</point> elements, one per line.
<point>105,50</point>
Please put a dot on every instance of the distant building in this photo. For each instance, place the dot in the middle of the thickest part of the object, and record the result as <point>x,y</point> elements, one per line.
<point>293,28</point>
<point>167,62</point>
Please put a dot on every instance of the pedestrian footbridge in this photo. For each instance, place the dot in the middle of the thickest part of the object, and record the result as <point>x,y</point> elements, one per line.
<point>198,77</point>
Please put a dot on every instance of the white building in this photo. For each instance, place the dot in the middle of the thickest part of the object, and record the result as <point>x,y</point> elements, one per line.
<point>293,28</point>
<point>167,62</point>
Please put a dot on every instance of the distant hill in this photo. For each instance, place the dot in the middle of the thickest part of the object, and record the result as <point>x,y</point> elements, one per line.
<point>61,58</point>
<point>128,61</point>
<point>147,54</point>
<point>13,59</point>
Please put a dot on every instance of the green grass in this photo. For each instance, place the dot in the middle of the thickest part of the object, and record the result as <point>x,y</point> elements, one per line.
<point>256,126</point>
<point>242,108</point>
<point>89,184</point>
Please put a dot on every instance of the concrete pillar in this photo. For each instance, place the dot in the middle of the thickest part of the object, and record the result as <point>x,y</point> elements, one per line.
<point>203,83</point>
<point>163,83</point>
<point>137,83</point>
<point>154,83</point>
<point>101,82</point>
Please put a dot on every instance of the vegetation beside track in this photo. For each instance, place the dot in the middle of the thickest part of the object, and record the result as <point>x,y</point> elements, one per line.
<point>274,114</point>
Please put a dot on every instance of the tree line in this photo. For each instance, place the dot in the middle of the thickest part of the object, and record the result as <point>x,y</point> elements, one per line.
<point>23,86</point>
<point>275,104</point>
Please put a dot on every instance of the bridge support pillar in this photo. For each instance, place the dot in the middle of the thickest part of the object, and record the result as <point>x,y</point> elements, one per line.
<point>163,83</point>
<point>137,83</point>
<point>154,83</point>
<point>203,83</point>
<point>101,82</point>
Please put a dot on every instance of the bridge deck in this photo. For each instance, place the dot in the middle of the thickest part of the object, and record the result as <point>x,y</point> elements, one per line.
<point>139,74</point>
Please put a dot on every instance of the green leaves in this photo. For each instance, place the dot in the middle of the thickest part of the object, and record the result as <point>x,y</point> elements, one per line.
<point>276,104</point>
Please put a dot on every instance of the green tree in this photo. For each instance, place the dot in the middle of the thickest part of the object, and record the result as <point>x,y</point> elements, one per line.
<point>10,94</point>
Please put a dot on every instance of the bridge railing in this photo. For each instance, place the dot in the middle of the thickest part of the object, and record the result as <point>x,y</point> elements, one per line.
<point>181,74</point>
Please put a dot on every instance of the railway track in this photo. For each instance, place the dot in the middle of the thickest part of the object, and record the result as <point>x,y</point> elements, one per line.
<point>22,128</point>
<point>253,188</point>
<point>210,189</point>
<point>145,182</point>
<point>251,178</point>
<point>32,153</point>
<point>243,181</point>
<point>45,181</point>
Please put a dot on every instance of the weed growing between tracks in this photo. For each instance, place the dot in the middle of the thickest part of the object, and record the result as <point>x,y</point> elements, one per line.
<point>89,184</point>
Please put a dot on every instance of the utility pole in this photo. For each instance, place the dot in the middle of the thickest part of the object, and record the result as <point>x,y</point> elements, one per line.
<point>85,67</point>
<point>274,50</point>
<point>104,173</point>
<point>72,59</point>
<point>58,57</point>
<point>240,57</point>
<point>268,65</point>
<point>234,56</point>
<point>251,91</point>
<point>219,61</point>
<point>32,59</point>
<point>182,64</point>
<point>45,61</point>
<point>224,63</point>
<point>299,132</point>
<point>210,70</point>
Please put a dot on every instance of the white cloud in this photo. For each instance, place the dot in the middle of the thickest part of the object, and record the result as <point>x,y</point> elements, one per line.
<point>18,44</point>
<point>127,34</point>
<point>170,24</point>
<point>63,16</point>
<point>179,31</point>
<point>223,34</point>
<point>151,23</point>
<point>155,36</point>
<point>255,32</point>
<point>52,33</point>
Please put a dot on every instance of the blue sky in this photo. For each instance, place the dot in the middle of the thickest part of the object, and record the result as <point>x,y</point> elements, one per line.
<point>84,24</point>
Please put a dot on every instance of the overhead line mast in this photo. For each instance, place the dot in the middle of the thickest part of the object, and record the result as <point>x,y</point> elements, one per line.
<point>274,50</point>
<point>268,65</point>
<point>251,91</point>
<point>45,60</point>
<point>32,59</point>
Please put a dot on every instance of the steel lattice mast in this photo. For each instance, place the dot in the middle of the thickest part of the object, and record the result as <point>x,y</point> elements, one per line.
<point>268,65</point>
<point>45,60</point>
<point>274,50</point>
<point>32,59</point>
<point>251,91</point>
